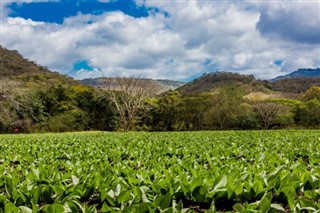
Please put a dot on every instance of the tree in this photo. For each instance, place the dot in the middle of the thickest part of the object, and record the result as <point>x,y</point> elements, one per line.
<point>166,112</point>
<point>247,119</point>
<point>9,105</point>
<point>308,113</point>
<point>312,93</point>
<point>225,108</point>
<point>192,110</point>
<point>100,113</point>
<point>268,112</point>
<point>128,96</point>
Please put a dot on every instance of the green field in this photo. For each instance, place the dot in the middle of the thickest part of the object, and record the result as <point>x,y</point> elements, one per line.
<point>248,171</point>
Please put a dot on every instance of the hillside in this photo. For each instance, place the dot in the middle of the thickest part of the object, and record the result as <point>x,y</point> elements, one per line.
<point>14,67</point>
<point>289,87</point>
<point>294,85</point>
<point>211,81</point>
<point>161,85</point>
<point>24,73</point>
<point>305,72</point>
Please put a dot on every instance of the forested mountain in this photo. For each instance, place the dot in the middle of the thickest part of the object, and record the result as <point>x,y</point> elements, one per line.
<point>305,72</point>
<point>26,73</point>
<point>162,85</point>
<point>211,81</point>
<point>294,85</point>
<point>34,99</point>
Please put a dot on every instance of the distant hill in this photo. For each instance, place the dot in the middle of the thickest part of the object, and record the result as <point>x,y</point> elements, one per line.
<point>24,73</point>
<point>294,85</point>
<point>14,67</point>
<point>296,82</point>
<point>211,81</point>
<point>162,85</point>
<point>305,72</point>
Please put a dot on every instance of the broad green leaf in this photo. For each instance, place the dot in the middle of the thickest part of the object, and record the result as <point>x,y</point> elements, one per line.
<point>212,208</point>
<point>165,202</point>
<point>196,182</point>
<point>239,208</point>
<point>105,208</point>
<point>143,194</point>
<point>125,196</point>
<point>55,208</point>
<point>24,209</point>
<point>278,207</point>
<point>75,180</point>
<point>265,202</point>
<point>199,193</point>
<point>221,185</point>
<point>11,208</point>
<point>239,189</point>
<point>117,190</point>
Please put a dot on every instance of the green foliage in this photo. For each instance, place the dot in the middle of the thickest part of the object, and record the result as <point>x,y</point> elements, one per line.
<point>312,93</point>
<point>166,112</point>
<point>225,109</point>
<point>34,99</point>
<point>215,80</point>
<point>297,85</point>
<point>248,171</point>
<point>308,114</point>
<point>177,112</point>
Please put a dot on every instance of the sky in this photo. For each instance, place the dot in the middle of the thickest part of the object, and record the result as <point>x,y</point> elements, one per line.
<point>164,39</point>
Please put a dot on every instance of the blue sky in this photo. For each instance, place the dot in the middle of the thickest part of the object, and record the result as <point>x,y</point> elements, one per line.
<point>55,12</point>
<point>164,39</point>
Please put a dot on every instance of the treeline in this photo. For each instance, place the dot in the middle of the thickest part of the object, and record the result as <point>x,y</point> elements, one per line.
<point>80,108</point>
<point>57,109</point>
<point>228,109</point>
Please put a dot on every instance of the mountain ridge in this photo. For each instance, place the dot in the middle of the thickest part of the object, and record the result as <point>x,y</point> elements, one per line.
<point>14,67</point>
<point>162,84</point>
<point>302,72</point>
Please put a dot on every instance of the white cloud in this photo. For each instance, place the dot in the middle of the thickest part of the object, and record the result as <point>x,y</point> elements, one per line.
<point>294,20</point>
<point>175,43</point>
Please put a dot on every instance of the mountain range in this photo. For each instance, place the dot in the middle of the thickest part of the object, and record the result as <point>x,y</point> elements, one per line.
<point>300,73</point>
<point>13,67</point>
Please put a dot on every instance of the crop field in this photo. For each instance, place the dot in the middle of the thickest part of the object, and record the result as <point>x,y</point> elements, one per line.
<point>247,171</point>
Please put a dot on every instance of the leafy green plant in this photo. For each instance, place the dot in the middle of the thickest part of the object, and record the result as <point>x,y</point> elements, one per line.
<point>248,171</point>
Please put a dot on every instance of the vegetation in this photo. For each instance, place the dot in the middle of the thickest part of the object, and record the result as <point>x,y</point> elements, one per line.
<point>301,73</point>
<point>128,96</point>
<point>13,67</point>
<point>58,109</point>
<point>159,85</point>
<point>260,171</point>
<point>247,171</point>
<point>210,81</point>
<point>34,99</point>
<point>78,108</point>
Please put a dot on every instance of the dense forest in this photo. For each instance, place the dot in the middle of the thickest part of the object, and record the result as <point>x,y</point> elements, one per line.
<point>34,99</point>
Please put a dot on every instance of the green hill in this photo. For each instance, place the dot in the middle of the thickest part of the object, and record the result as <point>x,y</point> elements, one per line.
<point>159,85</point>
<point>303,72</point>
<point>295,85</point>
<point>215,80</point>
<point>14,67</point>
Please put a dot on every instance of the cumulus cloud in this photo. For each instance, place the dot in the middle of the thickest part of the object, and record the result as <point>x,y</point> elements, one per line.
<point>178,40</point>
<point>294,21</point>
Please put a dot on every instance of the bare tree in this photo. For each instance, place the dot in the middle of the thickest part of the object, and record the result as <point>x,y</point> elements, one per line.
<point>7,102</point>
<point>128,95</point>
<point>269,112</point>
<point>12,107</point>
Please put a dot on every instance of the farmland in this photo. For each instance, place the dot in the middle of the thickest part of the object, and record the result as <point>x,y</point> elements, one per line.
<point>248,171</point>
